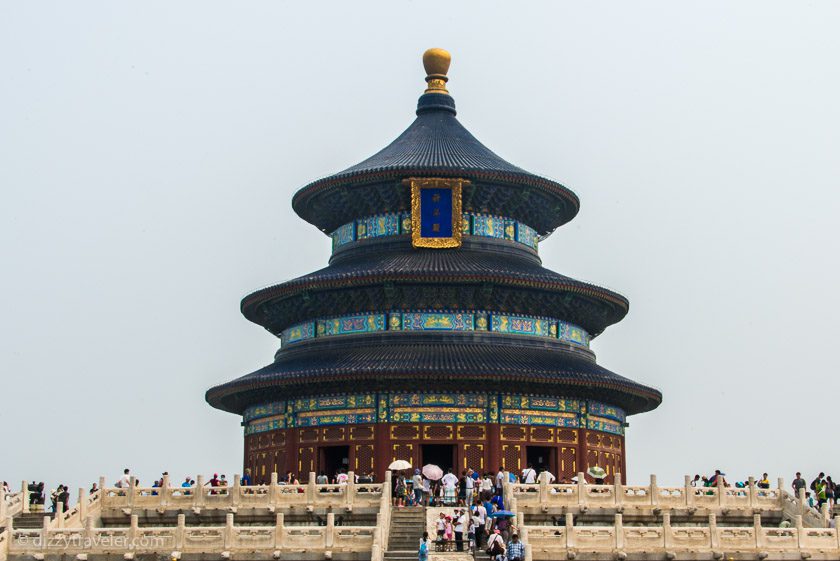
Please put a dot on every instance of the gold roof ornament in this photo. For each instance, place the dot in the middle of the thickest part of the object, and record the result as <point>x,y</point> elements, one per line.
<point>436,62</point>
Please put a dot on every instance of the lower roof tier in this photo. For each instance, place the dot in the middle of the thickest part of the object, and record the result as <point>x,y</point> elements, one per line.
<point>395,279</point>
<point>394,361</point>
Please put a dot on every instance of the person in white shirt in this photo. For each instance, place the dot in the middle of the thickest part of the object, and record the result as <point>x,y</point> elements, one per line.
<point>500,480</point>
<point>529,475</point>
<point>417,487</point>
<point>547,477</point>
<point>450,481</point>
<point>460,523</point>
<point>341,478</point>
<point>469,484</point>
<point>480,517</point>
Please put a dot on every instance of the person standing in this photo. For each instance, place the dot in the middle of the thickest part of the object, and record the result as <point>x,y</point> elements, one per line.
<point>500,480</point>
<point>460,522</point>
<point>798,483</point>
<point>417,487</point>
<point>515,549</point>
<point>469,487</point>
<point>529,476</point>
<point>423,550</point>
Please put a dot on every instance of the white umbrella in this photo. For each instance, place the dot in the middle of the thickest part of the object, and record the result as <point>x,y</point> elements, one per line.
<point>432,472</point>
<point>399,465</point>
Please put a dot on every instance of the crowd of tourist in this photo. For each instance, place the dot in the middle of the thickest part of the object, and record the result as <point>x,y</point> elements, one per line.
<point>821,490</point>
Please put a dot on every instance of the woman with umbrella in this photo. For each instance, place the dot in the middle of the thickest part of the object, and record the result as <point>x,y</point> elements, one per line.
<point>431,482</point>
<point>400,487</point>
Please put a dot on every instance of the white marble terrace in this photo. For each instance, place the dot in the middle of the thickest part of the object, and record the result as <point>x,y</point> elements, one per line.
<point>82,533</point>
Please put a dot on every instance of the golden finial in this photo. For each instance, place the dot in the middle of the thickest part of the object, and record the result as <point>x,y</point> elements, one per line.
<point>436,62</point>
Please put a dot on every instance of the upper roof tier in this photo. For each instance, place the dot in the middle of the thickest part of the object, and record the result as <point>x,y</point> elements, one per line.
<point>436,145</point>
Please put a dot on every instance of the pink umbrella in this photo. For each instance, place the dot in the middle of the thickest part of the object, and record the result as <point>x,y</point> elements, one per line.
<point>432,472</point>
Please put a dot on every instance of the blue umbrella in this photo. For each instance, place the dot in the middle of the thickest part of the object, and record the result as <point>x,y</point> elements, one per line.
<point>501,513</point>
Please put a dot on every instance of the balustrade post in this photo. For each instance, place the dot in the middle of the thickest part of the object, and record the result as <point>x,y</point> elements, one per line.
<point>132,487</point>
<point>798,521</point>
<point>714,539</point>
<point>102,494</point>
<point>618,491</point>
<point>667,536</point>
<point>24,490</point>
<point>228,530</point>
<point>2,504</point>
<point>311,490</point>
<point>236,491</point>
<point>164,492</point>
<point>45,532</point>
<point>759,533</point>
<point>836,528</point>
<point>350,490</point>
<point>543,491</point>
<point>59,515</point>
<point>279,531</point>
<point>272,489</point>
<point>83,505</point>
<point>330,530</point>
<point>654,490</point>
<point>581,484</point>
<point>132,529</point>
<point>721,490</point>
<point>619,532</point>
<point>824,514</point>
<point>180,531</point>
<point>803,506</point>
<point>751,484</point>
<point>89,529</point>
<point>688,491</point>
<point>570,529</point>
<point>198,492</point>
<point>780,482</point>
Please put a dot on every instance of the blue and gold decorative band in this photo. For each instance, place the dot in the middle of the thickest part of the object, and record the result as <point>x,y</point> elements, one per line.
<point>493,322</point>
<point>396,224</point>
<point>431,407</point>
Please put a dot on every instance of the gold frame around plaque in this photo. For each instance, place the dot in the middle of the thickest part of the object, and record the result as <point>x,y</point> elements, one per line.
<point>454,185</point>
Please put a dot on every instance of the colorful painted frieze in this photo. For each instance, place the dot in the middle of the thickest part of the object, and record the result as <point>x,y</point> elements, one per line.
<point>364,323</point>
<point>604,425</point>
<point>540,418</point>
<point>299,332</point>
<point>265,425</point>
<point>322,403</point>
<point>317,419</point>
<point>488,226</point>
<point>344,234</point>
<point>420,399</point>
<point>526,235</point>
<point>604,410</point>
<point>519,325</point>
<point>572,334</point>
<point>439,416</point>
<point>405,223</point>
<point>541,403</point>
<point>264,410</point>
<point>438,321</point>
<point>382,225</point>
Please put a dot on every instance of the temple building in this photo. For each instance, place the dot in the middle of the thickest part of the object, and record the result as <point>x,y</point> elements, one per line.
<point>434,335</point>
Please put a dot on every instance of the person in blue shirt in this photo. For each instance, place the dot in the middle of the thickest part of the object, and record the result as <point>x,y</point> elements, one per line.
<point>246,479</point>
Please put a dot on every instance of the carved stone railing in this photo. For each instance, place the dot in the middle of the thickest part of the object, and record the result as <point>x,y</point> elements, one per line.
<point>582,496</point>
<point>675,542</point>
<point>273,496</point>
<point>383,522</point>
<point>224,541</point>
<point>12,504</point>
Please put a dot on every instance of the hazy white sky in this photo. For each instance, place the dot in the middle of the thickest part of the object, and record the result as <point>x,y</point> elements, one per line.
<point>149,152</point>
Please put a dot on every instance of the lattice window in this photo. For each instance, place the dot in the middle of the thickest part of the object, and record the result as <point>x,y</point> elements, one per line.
<point>474,456</point>
<point>363,458</point>
<point>512,457</point>
<point>437,432</point>
<point>279,437</point>
<point>513,432</point>
<point>405,432</point>
<point>309,435</point>
<point>306,461</point>
<point>262,440</point>
<point>542,434</point>
<point>592,459</point>
<point>593,439</point>
<point>403,452</point>
<point>471,432</point>
<point>333,434</point>
<point>567,435</point>
<point>361,433</point>
<point>568,462</point>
